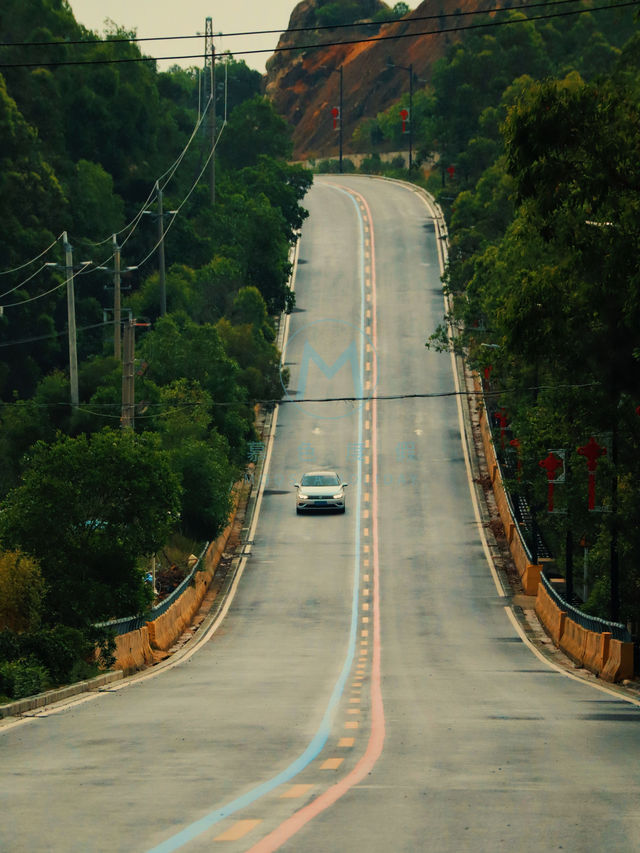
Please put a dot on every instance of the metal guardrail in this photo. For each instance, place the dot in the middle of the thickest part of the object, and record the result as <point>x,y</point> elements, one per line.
<point>132,623</point>
<point>592,623</point>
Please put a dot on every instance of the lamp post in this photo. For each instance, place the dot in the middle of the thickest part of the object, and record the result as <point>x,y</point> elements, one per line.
<point>71,315</point>
<point>410,70</point>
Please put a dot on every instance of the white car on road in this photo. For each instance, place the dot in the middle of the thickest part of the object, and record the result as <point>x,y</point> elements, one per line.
<point>320,490</point>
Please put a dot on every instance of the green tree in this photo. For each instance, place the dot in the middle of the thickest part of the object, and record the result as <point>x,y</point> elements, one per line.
<point>22,591</point>
<point>206,477</point>
<point>254,128</point>
<point>87,509</point>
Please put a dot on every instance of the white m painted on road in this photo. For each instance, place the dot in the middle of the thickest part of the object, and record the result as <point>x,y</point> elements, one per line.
<point>310,354</point>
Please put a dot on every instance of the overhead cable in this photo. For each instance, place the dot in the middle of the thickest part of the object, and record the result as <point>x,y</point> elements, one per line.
<point>345,43</point>
<point>286,30</point>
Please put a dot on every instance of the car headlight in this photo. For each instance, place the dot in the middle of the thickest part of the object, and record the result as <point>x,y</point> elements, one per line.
<point>303,497</point>
<point>338,496</point>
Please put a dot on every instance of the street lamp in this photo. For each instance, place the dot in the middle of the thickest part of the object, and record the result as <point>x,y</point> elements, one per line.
<point>71,315</point>
<point>161,270</point>
<point>391,64</point>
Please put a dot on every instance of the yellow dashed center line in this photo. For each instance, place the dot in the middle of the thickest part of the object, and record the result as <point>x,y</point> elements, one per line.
<point>351,724</point>
<point>331,764</point>
<point>296,791</point>
<point>239,829</point>
<point>346,742</point>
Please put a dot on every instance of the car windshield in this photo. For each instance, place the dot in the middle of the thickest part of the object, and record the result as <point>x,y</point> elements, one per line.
<point>320,480</point>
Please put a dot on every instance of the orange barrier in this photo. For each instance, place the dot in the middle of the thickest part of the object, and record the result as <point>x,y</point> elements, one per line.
<point>165,630</point>
<point>528,572</point>
<point>619,664</point>
<point>574,640</point>
<point>552,618</point>
<point>612,659</point>
<point>133,650</point>
<point>596,651</point>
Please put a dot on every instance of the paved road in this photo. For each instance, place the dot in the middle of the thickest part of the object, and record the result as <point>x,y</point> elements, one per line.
<point>366,690</point>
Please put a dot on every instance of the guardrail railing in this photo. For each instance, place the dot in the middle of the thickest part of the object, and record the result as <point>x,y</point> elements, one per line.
<point>132,623</point>
<point>592,623</point>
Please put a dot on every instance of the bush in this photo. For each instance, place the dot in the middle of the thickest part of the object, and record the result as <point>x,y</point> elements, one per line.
<point>59,649</point>
<point>58,655</point>
<point>22,678</point>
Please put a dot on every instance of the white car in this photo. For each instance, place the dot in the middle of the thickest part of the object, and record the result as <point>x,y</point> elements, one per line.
<point>320,490</point>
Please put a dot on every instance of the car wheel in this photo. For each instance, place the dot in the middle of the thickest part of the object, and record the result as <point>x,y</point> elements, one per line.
<point>298,511</point>
<point>344,508</point>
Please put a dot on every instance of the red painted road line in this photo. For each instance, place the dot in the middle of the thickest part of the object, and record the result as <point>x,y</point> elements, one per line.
<point>297,821</point>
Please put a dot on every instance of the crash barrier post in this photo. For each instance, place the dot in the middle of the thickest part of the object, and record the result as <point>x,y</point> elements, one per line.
<point>619,665</point>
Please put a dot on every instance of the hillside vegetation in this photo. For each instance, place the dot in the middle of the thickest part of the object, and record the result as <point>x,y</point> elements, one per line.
<point>83,502</point>
<point>540,125</point>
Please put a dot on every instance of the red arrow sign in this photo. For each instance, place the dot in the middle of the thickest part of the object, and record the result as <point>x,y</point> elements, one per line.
<point>335,112</point>
<point>404,115</point>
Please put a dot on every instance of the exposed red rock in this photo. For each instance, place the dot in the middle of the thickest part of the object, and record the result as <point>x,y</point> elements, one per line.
<point>304,87</point>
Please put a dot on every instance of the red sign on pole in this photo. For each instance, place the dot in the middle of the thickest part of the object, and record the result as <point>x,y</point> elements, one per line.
<point>592,451</point>
<point>404,115</point>
<point>451,170</point>
<point>335,112</point>
<point>502,418</point>
<point>551,464</point>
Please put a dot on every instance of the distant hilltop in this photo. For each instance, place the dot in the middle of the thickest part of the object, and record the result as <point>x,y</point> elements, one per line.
<point>303,84</point>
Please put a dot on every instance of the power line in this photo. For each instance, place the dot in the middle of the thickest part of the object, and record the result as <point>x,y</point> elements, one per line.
<point>436,395</point>
<point>32,261</point>
<point>345,43</point>
<point>52,335</point>
<point>286,30</point>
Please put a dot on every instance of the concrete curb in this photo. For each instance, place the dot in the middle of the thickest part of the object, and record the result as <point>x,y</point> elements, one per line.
<point>50,697</point>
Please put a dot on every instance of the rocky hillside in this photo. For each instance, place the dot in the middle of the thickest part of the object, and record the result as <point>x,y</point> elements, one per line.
<point>304,87</point>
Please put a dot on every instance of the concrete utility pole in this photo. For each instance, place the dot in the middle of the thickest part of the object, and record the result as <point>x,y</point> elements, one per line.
<point>71,322</point>
<point>128,376</point>
<point>116,298</point>
<point>210,83</point>
<point>161,270</point>
<point>340,70</point>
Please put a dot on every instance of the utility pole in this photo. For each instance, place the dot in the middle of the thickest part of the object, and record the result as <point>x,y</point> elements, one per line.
<point>128,376</point>
<point>340,69</point>
<point>410,116</point>
<point>116,298</point>
<point>71,314</point>
<point>163,282</point>
<point>210,79</point>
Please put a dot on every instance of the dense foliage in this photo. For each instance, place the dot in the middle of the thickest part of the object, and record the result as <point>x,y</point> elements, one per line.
<point>541,128</point>
<point>82,150</point>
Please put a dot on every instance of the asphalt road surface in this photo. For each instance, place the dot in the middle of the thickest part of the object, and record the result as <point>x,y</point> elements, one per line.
<point>366,690</point>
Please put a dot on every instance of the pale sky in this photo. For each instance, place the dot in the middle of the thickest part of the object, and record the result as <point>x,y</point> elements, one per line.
<point>153,18</point>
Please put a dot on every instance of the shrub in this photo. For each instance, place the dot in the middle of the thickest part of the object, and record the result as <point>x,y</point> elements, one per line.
<point>22,678</point>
